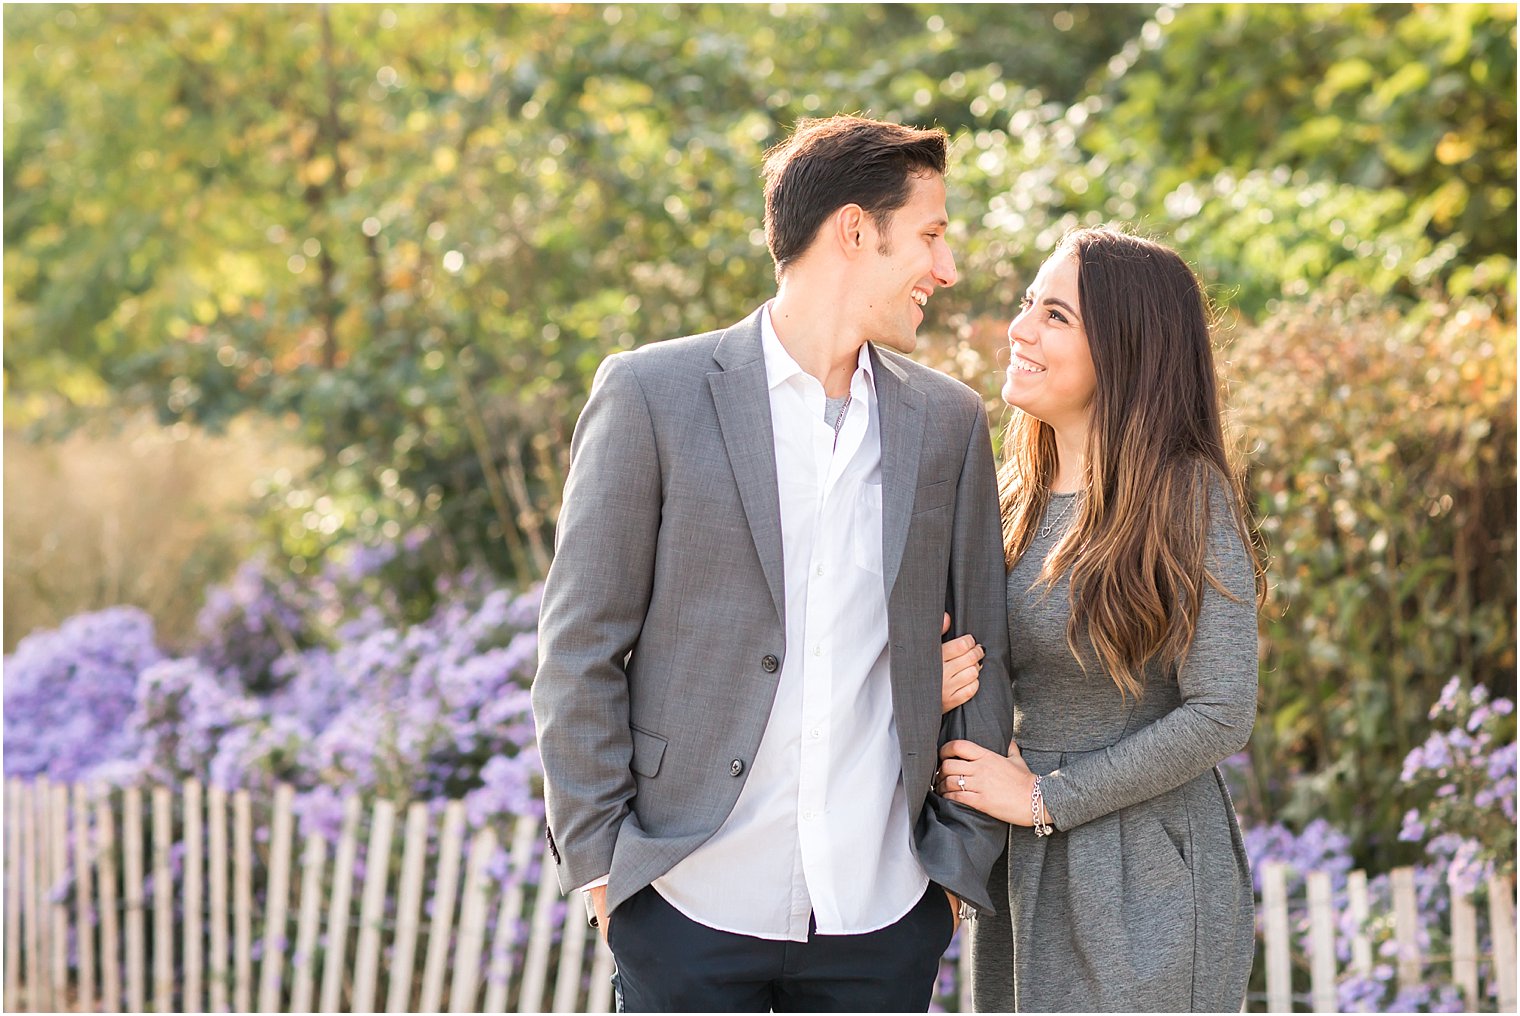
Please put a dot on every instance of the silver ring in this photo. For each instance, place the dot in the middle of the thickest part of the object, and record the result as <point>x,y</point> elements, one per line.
<point>960,781</point>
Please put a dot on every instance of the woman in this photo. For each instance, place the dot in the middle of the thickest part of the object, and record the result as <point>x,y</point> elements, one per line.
<point>1132,595</point>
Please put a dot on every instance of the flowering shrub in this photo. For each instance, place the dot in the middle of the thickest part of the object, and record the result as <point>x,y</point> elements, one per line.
<point>68,693</point>
<point>1465,775</point>
<point>317,683</point>
<point>1465,771</point>
<point>322,683</point>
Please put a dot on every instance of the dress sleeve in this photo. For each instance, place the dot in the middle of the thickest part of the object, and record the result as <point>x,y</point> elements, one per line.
<point>1217,682</point>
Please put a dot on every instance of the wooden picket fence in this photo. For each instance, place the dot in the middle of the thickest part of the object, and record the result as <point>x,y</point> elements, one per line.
<point>83,875</point>
<point>201,940</point>
<point>1411,965</point>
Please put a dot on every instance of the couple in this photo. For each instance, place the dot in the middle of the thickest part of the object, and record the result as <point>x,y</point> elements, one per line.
<point>779,789</point>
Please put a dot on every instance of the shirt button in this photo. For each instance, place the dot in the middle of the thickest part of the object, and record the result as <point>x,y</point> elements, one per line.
<point>808,815</point>
<point>818,650</point>
<point>769,664</point>
<point>736,767</point>
<point>815,732</point>
<point>819,571</point>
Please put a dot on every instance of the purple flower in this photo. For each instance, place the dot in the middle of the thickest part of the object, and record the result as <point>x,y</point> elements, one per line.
<point>1451,695</point>
<point>69,691</point>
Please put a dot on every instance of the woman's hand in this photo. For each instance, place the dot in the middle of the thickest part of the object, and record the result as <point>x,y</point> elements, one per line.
<point>982,779</point>
<point>962,659</point>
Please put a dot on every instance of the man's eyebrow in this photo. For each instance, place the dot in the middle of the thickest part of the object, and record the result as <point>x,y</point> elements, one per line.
<point>938,224</point>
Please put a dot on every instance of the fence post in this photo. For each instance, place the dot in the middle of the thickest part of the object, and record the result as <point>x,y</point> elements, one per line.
<point>600,998</point>
<point>1464,942</point>
<point>499,976</point>
<point>472,927</point>
<point>1274,901</point>
<point>242,902</point>
<point>216,856</point>
<point>1321,942</point>
<point>377,868</point>
<point>110,945</point>
<point>13,879</point>
<point>536,961</point>
<point>446,887</point>
<point>163,902</point>
<point>963,969</point>
<point>305,959</point>
<point>338,908</point>
<point>42,990</point>
<point>1501,920</point>
<point>1356,902</point>
<point>29,895</point>
<point>58,819</point>
<point>1406,926</point>
<point>572,952</point>
<point>84,899</point>
<point>276,902</point>
<point>404,946</point>
<point>194,873</point>
<point>132,893</point>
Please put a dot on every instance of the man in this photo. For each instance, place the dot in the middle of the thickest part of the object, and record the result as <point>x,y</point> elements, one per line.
<point>738,699</point>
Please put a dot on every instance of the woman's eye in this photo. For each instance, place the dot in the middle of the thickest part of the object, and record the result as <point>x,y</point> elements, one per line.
<point>1057,315</point>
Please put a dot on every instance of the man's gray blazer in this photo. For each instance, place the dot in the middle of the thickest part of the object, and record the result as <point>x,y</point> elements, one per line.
<point>662,629</point>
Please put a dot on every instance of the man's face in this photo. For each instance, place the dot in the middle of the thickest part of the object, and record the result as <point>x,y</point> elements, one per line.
<point>910,260</point>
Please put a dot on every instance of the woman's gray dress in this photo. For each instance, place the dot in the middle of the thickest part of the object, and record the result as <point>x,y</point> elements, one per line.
<point>1141,900</point>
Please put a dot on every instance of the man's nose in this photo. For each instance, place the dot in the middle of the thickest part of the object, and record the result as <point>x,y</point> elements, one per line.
<point>944,269</point>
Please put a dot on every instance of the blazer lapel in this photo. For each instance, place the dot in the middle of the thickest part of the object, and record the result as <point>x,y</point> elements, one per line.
<point>743,402</point>
<point>902,431</point>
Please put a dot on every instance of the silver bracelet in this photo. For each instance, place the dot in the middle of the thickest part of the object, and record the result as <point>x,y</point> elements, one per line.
<point>1036,806</point>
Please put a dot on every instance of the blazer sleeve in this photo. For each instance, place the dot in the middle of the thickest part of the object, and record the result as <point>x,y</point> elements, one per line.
<point>977,604</point>
<point>1217,682</point>
<point>594,603</point>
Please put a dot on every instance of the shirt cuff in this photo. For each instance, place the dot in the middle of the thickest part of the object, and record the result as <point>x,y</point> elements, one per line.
<point>585,892</point>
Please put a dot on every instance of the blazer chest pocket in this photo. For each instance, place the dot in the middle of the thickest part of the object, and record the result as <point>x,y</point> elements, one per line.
<point>648,752</point>
<point>933,495</point>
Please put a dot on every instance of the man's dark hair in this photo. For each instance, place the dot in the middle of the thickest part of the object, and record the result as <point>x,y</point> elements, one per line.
<point>842,160</point>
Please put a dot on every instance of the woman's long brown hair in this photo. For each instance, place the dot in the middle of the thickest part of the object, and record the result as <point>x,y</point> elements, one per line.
<point>1136,550</point>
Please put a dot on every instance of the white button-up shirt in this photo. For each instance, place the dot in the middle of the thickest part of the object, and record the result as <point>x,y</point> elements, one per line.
<point>821,826</point>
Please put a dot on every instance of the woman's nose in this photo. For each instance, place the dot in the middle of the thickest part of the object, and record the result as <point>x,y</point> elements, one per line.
<point>1016,330</point>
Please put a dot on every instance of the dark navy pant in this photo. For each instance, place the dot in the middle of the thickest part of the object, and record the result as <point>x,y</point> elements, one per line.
<point>667,962</point>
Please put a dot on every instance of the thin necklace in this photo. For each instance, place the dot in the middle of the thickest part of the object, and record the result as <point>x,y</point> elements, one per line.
<point>839,423</point>
<point>1049,526</point>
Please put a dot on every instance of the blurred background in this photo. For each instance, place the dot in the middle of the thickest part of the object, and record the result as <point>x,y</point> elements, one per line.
<point>301,304</point>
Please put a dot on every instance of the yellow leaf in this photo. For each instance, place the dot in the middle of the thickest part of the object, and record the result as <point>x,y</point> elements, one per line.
<point>319,170</point>
<point>1453,148</point>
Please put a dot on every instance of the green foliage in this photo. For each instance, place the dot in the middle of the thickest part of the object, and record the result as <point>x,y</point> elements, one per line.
<point>1417,100</point>
<point>1382,456</point>
<point>1283,147</point>
<point>418,230</point>
<point>413,232</point>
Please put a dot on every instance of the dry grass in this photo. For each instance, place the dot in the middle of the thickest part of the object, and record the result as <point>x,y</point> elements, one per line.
<point>137,514</point>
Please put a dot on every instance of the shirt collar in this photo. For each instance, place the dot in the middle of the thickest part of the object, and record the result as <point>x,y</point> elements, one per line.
<point>779,365</point>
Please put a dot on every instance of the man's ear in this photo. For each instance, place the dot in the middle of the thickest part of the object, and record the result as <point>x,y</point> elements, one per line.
<point>850,229</point>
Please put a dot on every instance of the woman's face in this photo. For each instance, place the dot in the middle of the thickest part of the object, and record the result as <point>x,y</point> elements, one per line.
<point>1050,371</point>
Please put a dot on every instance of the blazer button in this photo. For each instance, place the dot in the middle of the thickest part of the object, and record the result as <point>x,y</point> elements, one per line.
<point>769,665</point>
<point>737,765</point>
